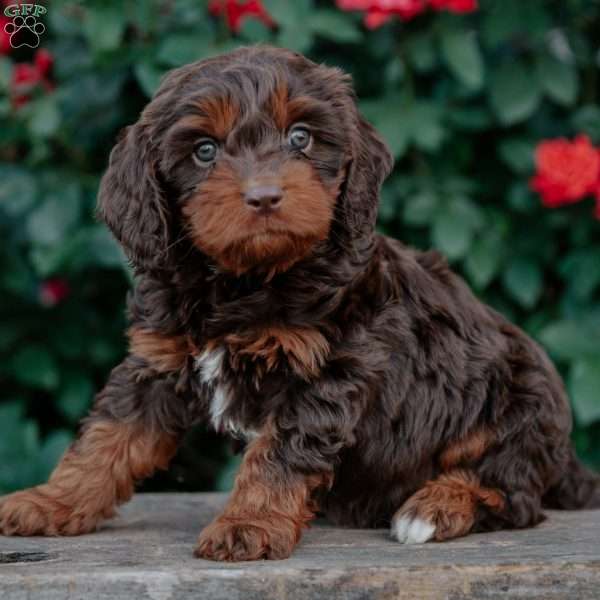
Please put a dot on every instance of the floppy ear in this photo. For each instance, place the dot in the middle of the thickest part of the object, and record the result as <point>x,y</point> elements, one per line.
<point>132,203</point>
<point>370,164</point>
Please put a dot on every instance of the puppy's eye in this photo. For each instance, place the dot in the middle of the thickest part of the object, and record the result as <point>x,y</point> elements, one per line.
<point>206,150</point>
<point>299,138</point>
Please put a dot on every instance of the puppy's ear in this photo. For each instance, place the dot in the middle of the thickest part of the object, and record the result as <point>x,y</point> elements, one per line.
<point>370,164</point>
<point>132,202</point>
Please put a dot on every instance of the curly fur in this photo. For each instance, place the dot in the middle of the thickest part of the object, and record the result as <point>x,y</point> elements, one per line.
<point>368,378</point>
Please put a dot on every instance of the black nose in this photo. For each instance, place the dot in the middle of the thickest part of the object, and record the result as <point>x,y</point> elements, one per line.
<point>264,198</point>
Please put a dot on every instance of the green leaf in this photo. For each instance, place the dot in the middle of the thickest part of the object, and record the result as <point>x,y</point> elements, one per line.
<point>519,198</point>
<point>514,93</point>
<point>523,280</point>
<point>18,190</point>
<point>464,208</point>
<point>581,269</point>
<point>75,396</point>
<point>571,339</point>
<point>295,38</point>
<point>289,13</point>
<point>334,25</point>
<point>503,21</point>
<point>180,48</point>
<point>558,79</point>
<point>254,31</point>
<point>421,51</point>
<point>98,247</point>
<point>452,233</point>
<point>518,154</point>
<point>585,389</point>
<point>587,120</point>
<point>227,475</point>
<point>385,116</point>
<point>420,208</point>
<point>45,116</point>
<point>52,450</point>
<point>427,130</point>
<point>148,76</point>
<point>35,367</point>
<point>104,28</point>
<point>11,416</point>
<point>50,222</point>
<point>472,119</point>
<point>5,73</point>
<point>462,55</point>
<point>484,260</point>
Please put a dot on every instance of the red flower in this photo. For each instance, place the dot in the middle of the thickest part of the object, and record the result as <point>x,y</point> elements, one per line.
<point>380,11</point>
<point>236,11</point>
<point>456,6</point>
<point>566,171</point>
<point>43,60</point>
<point>53,292</point>
<point>26,77</point>
<point>4,37</point>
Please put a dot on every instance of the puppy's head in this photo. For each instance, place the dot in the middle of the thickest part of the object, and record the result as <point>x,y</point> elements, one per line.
<point>254,157</point>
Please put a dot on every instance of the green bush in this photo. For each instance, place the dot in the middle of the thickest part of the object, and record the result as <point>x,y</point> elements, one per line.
<point>463,100</point>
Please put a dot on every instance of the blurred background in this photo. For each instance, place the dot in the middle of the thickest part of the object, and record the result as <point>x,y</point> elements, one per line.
<point>490,108</point>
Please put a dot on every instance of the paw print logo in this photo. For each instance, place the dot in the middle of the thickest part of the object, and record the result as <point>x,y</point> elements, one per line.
<point>24,31</point>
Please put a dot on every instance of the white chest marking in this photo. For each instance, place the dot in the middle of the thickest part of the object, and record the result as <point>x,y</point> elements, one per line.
<point>210,364</point>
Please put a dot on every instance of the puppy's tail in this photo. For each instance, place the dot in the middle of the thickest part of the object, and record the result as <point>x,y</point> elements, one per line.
<point>578,487</point>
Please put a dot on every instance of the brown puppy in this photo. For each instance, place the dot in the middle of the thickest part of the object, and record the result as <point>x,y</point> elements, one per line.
<point>369,382</point>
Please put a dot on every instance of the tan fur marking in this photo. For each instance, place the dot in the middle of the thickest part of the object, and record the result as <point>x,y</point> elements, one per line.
<point>279,106</point>
<point>266,512</point>
<point>450,503</point>
<point>163,353</point>
<point>216,117</point>
<point>94,476</point>
<point>224,228</point>
<point>306,349</point>
<point>468,450</point>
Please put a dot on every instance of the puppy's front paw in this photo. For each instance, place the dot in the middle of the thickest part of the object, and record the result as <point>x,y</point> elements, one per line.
<point>37,512</point>
<point>412,530</point>
<point>236,539</point>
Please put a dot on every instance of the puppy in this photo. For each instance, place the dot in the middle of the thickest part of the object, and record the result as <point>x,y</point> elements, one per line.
<point>368,381</point>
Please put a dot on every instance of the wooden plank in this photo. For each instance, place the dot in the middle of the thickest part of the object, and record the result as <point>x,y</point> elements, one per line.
<point>147,554</point>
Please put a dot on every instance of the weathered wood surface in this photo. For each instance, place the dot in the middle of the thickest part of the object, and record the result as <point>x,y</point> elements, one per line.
<point>147,554</point>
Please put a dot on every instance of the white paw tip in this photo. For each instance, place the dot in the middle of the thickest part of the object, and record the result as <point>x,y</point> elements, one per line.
<point>412,531</point>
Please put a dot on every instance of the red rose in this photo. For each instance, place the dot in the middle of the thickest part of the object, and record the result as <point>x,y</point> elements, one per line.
<point>26,77</point>
<point>380,11</point>
<point>456,6</point>
<point>566,171</point>
<point>374,19</point>
<point>43,60</point>
<point>53,292</point>
<point>5,46</point>
<point>236,11</point>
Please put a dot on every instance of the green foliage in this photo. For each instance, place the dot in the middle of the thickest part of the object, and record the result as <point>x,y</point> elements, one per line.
<point>462,100</point>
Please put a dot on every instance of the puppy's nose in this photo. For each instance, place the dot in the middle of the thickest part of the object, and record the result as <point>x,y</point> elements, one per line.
<point>264,198</point>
